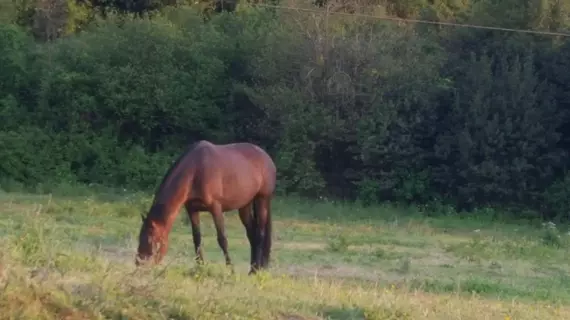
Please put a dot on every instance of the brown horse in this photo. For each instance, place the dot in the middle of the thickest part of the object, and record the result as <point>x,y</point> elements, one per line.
<point>214,178</point>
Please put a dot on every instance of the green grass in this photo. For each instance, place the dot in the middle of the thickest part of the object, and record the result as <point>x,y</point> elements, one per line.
<point>72,258</point>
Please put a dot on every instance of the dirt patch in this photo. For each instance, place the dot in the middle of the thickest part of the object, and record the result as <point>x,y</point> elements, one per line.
<point>116,254</point>
<point>339,272</point>
<point>93,230</point>
<point>299,225</point>
<point>303,245</point>
<point>365,248</point>
<point>13,208</point>
<point>284,316</point>
<point>435,259</point>
<point>369,248</point>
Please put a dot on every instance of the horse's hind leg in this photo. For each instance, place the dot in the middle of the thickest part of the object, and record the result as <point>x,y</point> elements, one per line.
<point>249,223</point>
<point>218,216</point>
<point>196,235</point>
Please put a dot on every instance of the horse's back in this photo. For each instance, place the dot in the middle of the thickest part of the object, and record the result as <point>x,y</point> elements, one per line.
<point>260,160</point>
<point>239,165</point>
<point>240,152</point>
<point>254,154</point>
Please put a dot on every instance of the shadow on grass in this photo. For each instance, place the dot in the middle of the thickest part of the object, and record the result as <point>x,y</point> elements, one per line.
<point>552,290</point>
<point>344,313</point>
<point>357,313</point>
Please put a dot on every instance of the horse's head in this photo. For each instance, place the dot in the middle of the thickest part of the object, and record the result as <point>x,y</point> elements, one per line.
<point>153,242</point>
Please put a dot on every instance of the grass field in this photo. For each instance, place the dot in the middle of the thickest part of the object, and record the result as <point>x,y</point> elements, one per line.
<point>72,258</point>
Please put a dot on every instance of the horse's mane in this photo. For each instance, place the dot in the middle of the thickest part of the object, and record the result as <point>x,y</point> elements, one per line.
<point>169,171</point>
<point>176,163</point>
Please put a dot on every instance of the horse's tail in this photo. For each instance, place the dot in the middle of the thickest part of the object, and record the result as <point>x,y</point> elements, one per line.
<point>267,239</point>
<point>266,242</point>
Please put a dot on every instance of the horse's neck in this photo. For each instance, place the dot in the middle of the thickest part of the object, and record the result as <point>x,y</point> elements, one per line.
<point>169,199</point>
<point>165,212</point>
<point>171,196</point>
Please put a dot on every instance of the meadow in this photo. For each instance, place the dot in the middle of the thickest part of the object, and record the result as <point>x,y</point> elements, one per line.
<point>72,257</point>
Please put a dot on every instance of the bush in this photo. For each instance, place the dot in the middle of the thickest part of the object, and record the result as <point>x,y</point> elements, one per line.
<point>353,108</point>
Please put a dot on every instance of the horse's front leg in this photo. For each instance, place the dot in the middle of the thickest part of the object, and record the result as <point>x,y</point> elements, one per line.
<point>194,216</point>
<point>218,216</point>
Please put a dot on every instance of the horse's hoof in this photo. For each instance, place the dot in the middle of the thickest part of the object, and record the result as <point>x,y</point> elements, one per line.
<point>231,268</point>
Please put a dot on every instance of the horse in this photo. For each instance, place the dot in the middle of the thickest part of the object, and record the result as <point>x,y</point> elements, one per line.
<point>216,178</point>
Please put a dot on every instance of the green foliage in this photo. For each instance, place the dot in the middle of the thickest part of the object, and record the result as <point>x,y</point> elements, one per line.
<point>31,156</point>
<point>501,140</point>
<point>338,244</point>
<point>23,14</point>
<point>15,48</point>
<point>51,19</point>
<point>170,90</point>
<point>529,14</point>
<point>8,11</point>
<point>79,14</point>
<point>557,197</point>
<point>347,107</point>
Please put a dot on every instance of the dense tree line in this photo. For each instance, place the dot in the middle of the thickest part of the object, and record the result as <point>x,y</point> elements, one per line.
<point>349,107</point>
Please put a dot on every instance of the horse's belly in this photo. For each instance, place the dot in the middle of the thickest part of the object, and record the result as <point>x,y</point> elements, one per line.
<point>235,199</point>
<point>238,195</point>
